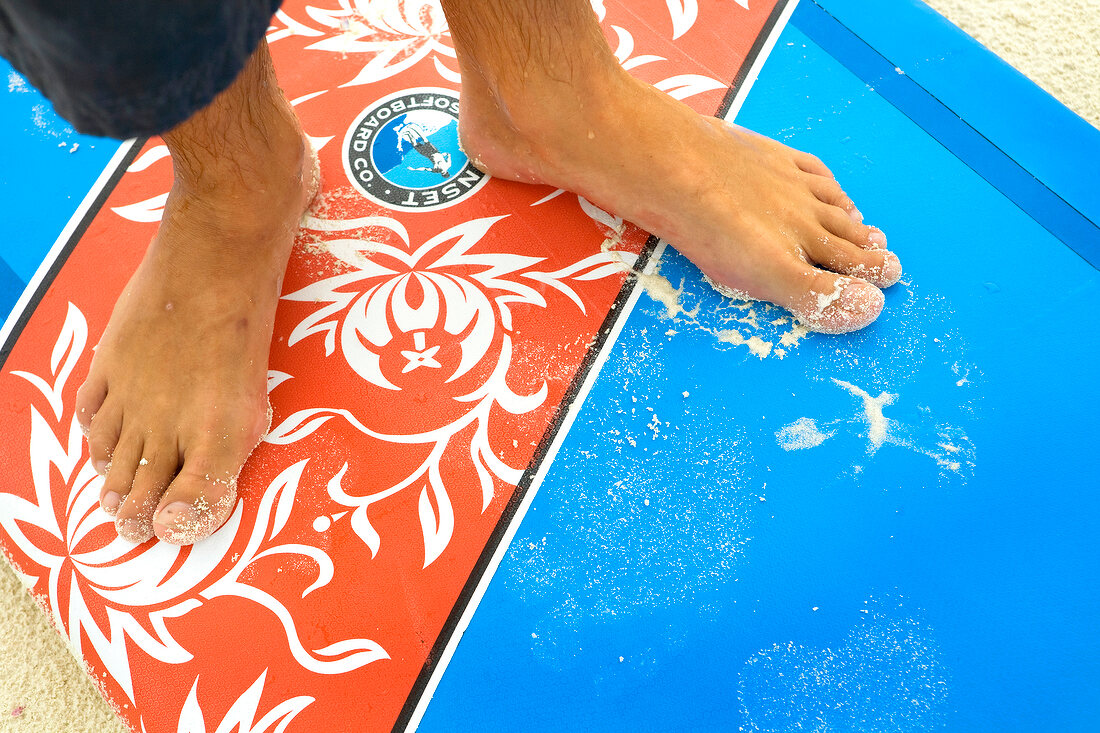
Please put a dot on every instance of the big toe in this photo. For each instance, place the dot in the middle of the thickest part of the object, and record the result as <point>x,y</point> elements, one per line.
<point>196,504</point>
<point>838,304</point>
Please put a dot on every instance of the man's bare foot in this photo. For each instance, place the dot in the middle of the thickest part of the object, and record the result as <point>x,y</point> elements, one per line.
<point>757,217</point>
<point>176,397</point>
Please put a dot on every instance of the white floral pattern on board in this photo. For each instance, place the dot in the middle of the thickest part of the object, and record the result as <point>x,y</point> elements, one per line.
<point>241,717</point>
<point>392,35</point>
<point>392,313</point>
<point>87,566</point>
<point>129,606</point>
<point>679,87</point>
<point>684,13</point>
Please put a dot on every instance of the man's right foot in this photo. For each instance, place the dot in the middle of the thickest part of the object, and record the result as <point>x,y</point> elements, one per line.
<point>758,218</point>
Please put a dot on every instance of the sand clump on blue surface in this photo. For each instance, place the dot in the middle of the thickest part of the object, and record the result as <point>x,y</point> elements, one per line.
<point>803,433</point>
<point>764,329</point>
<point>947,445</point>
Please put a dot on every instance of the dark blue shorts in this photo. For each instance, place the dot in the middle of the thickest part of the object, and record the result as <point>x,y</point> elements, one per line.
<point>131,68</point>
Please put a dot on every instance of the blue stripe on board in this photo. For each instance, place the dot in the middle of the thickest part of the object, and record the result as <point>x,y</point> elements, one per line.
<point>1028,124</point>
<point>983,157</point>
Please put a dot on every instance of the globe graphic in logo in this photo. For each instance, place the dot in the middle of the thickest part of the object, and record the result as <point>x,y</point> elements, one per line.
<point>403,152</point>
<point>419,150</point>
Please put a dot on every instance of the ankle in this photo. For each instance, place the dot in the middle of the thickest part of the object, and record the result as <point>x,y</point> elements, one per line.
<point>561,97</point>
<point>248,137</point>
<point>508,43</point>
<point>519,130</point>
<point>267,155</point>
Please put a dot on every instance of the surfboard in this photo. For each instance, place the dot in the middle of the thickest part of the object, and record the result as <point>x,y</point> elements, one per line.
<point>660,510</point>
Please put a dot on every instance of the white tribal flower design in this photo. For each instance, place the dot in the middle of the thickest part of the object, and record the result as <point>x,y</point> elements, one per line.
<point>435,320</point>
<point>392,35</point>
<point>680,86</point>
<point>684,13</point>
<point>239,718</point>
<point>65,534</point>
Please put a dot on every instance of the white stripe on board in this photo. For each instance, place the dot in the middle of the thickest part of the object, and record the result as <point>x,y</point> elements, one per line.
<point>513,526</point>
<point>758,63</point>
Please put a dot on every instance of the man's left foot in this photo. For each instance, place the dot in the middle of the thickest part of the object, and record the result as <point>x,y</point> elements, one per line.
<point>176,395</point>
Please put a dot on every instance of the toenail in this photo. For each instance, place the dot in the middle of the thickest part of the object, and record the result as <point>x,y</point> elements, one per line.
<point>133,530</point>
<point>863,302</point>
<point>891,269</point>
<point>856,216</point>
<point>877,239</point>
<point>111,501</point>
<point>101,467</point>
<point>177,512</point>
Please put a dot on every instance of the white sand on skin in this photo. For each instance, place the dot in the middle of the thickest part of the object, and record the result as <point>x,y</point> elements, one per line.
<point>1054,43</point>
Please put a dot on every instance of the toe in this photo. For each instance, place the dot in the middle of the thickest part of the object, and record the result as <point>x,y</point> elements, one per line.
<point>133,529</point>
<point>860,234</point>
<point>856,232</point>
<point>822,301</point>
<point>154,472</point>
<point>828,191</point>
<point>103,434</point>
<point>879,267</point>
<point>120,477</point>
<point>812,164</point>
<point>835,303</point>
<point>198,501</point>
<point>89,398</point>
<point>854,249</point>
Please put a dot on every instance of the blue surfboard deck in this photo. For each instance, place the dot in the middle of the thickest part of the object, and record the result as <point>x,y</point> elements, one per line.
<point>727,542</point>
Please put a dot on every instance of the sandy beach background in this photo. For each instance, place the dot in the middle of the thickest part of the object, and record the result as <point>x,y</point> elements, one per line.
<point>1056,44</point>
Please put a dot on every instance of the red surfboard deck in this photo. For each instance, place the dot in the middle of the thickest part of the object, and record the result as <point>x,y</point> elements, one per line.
<point>435,329</point>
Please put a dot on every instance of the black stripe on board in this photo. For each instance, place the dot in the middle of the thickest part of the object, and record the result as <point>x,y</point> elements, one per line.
<point>757,47</point>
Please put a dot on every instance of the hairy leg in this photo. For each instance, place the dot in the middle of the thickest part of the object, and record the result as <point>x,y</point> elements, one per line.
<point>176,396</point>
<point>544,100</point>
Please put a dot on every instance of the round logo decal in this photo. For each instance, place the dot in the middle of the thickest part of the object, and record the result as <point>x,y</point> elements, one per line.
<point>402,152</point>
